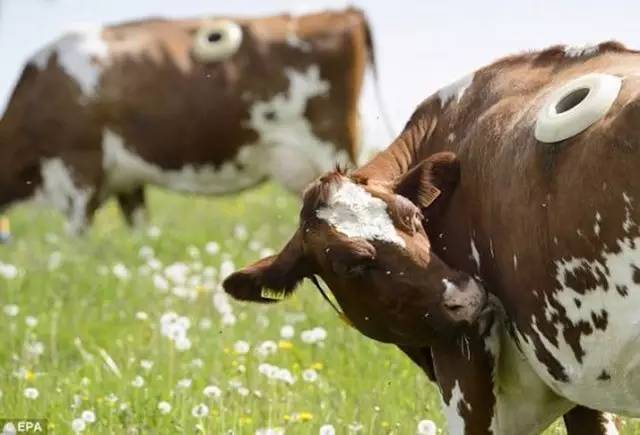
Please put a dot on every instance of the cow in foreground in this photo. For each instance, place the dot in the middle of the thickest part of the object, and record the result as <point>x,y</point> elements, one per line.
<point>206,106</point>
<point>523,176</point>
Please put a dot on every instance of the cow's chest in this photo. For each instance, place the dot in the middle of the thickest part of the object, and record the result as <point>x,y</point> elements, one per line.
<point>592,332</point>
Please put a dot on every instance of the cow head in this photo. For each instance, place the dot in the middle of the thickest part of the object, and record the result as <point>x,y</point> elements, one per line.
<point>367,242</point>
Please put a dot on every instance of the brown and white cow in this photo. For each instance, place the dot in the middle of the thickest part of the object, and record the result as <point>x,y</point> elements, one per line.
<point>545,213</point>
<point>208,106</point>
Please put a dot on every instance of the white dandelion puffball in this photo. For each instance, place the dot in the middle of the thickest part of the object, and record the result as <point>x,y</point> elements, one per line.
<point>212,392</point>
<point>327,429</point>
<point>241,347</point>
<point>31,393</point>
<point>287,332</point>
<point>89,416</point>
<point>200,411</point>
<point>138,382</point>
<point>78,425</point>
<point>164,407</point>
<point>310,375</point>
<point>427,427</point>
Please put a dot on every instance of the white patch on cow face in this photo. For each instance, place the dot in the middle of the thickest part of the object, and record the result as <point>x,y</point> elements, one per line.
<point>58,190</point>
<point>610,427</point>
<point>608,377</point>
<point>354,212</point>
<point>295,155</point>
<point>81,53</point>
<point>125,170</point>
<point>581,50</point>
<point>455,89</point>
<point>455,422</point>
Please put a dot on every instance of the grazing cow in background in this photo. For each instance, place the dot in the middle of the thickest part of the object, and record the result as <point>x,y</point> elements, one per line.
<point>525,174</point>
<point>207,106</point>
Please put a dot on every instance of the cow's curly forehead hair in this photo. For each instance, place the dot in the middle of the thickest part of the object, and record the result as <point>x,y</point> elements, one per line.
<point>317,194</point>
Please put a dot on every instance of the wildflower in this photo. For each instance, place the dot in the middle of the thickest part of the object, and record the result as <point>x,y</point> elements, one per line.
<point>212,392</point>
<point>29,375</point>
<point>302,416</point>
<point>200,411</point>
<point>197,363</point>
<point>120,271</point>
<point>285,345</point>
<point>35,348</point>
<point>141,315</point>
<point>240,232</point>
<point>327,429</point>
<point>287,332</point>
<point>154,232</point>
<point>267,348</point>
<point>183,344</point>
<point>160,282</point>
<point>89,416</point>
<point>228,319</point>
<point>184,383</point>
<point>317,366</point>
<point>177,273</point>
<point>146,252</point>
<point>85,381</point>
<point>11,310</point>
<point>31,393</point>
<point>270,431</point>
<point>310,375</point>
<point>205,323</point>
<point>137,382</point>
<point>146,364</point>
<point>212,248</point>
<point>164,407</point>
<point>31,321</point>
<point>427,427</point>
<point>355,427</point>
<point>241,347</point>
<point>193,252</point>
<point>78,425</point>
<point>314,335</point>
<point>243,391</point>
<point>8,271</point>
<point>112,398</point>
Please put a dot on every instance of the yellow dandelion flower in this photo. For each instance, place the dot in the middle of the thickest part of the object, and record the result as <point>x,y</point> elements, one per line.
<point>29,375</point>
<point>284,344</point>
<point>305,416</point>
<point>317,366</point>
<point>287,418</point>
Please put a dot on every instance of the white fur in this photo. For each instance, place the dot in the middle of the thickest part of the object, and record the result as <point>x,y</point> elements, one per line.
<point>513,380</point>
<point>81,53</point>
<point>455,422</point>
<point>610,425</point>
<point>125,170</point>
<point>455,90</point>
<point>354,212</point>
<point>60,191</point>
<point>581,50</point>
<point>449,287</point>
<point>296,155</point>
<point>475,254</point>
<point>614,350</point>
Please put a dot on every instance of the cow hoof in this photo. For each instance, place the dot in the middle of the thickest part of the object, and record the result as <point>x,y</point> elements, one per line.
<point>575,106</point>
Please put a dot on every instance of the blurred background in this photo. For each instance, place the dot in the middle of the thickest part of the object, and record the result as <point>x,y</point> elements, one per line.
<point>421,45</point>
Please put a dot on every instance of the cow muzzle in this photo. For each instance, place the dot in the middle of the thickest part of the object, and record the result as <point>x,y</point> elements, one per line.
<point>464,303</point>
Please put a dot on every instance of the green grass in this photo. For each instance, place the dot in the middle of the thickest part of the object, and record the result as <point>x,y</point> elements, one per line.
<point>86,315</point>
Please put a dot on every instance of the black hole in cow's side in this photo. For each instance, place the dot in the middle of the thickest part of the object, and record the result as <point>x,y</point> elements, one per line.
<point>214,37</point>
<point>570,101</point>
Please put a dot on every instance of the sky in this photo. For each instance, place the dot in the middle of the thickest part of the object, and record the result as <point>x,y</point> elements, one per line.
<point>422,45</point>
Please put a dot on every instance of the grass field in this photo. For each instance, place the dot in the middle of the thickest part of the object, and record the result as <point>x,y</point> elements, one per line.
<point>132,330</point>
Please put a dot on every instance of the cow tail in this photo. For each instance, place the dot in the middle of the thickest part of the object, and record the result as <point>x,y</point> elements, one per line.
<point>376,78</point>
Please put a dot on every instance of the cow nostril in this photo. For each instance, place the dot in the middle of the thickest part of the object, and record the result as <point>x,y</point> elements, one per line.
<point>214,37</point>
<point>454,307</point>
<point>572,100</point>
<point>270,115</point>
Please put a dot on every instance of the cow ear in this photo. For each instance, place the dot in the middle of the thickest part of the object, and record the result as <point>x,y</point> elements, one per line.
<point>272,278</point>
<point>434,179</point>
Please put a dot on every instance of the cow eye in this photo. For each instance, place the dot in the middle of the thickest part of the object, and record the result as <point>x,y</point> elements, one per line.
<point>217,40</point>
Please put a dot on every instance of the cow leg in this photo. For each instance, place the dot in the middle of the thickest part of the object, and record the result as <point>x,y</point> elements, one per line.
<point>463,369</point>
<point>586,421</point>
<point>133,207</point>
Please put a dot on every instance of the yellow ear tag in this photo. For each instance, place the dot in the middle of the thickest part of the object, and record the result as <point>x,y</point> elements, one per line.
<point>428,194</point>
<point>274,295</point>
